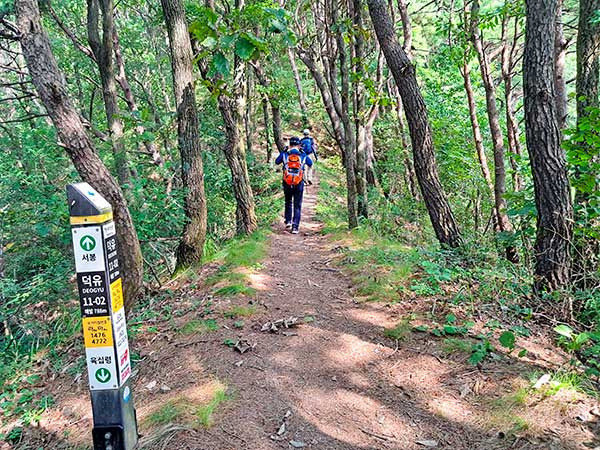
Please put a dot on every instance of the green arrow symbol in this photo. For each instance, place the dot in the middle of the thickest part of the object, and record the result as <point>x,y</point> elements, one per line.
<point>88,243</point>
<point>102,375</point>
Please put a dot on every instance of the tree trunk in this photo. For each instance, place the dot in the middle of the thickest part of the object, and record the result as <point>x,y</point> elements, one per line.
<point>248,126</point>
<point>435,199</point>
<point>349,136</point>
<point>51,88</point>
<point>103,52</point>
<point>560,55</point>
<point>298,81</point>
<point>191,246</point>
<point>502,219</point>
<point>232,110</point>
<point>151,147</point>
<point>483,164</point>
<point>360,139</point>
<point>588,57</point>
<point>512,125</point>
<point>265,108</point>
<point>551,185</point>
<point>409,168</point>
<point>406,28</point>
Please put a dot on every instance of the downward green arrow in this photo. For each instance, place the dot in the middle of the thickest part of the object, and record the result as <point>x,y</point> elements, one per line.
<point>102,375</point>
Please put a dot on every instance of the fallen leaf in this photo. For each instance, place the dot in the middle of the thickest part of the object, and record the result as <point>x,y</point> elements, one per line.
<point>151,385</point>
<point>297,444</point>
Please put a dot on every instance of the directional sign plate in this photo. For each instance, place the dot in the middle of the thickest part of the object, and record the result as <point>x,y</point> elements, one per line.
<point>88,249</point>
<point>101,368</point>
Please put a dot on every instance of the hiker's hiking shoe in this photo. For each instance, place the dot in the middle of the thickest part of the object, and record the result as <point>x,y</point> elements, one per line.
<point>295,230</point>
<point>288,225</point>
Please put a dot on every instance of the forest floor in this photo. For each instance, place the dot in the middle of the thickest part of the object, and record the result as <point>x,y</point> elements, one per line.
<point>332,380</point>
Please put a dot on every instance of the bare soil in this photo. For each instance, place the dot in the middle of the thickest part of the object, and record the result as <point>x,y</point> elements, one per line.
<point>334,380</point>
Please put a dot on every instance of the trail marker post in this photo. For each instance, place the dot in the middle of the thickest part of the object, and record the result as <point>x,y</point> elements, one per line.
<point>103,318</point>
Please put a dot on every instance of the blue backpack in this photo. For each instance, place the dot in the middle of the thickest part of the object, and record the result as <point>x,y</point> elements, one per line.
<point>307,144</point>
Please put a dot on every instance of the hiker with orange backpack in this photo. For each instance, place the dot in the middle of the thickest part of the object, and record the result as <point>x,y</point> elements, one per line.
<point>294,164</point>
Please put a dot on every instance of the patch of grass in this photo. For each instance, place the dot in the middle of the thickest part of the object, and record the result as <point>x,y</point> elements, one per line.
<point>565,380</point>
<point>205,413</point>
<point>456,345</point>
<point>239,311</point>
<point>226,275</point>
<point>199,326</point>
<point>235,289</point>
<point>400,331</point>
<point>167,413</point>
<point>245,252</point>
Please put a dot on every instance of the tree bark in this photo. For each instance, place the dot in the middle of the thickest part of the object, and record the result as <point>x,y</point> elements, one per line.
<point>151,147</point>
<point>588,57</point>
<point>483,164</point>
<point>441,216</point>
<point>560,56</point>
<point>360,140</point>
<point>269,144</point>
<point>51,88</point>
<point>349,136</point>
<point>502,219</point>
<point>512,125</point>
<point>102,47</point>
<point>551,184</point>
<point>191,246</point>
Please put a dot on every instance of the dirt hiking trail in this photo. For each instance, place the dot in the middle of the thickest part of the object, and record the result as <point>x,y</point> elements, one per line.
<point>331,382</point>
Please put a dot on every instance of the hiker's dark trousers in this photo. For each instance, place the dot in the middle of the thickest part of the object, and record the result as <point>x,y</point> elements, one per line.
<point>293,203</point>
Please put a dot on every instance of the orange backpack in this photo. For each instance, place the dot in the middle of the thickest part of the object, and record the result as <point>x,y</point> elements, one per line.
<point>293,169</point>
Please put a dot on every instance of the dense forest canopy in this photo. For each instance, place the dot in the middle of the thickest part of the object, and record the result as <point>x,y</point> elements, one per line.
<point>473,122</point>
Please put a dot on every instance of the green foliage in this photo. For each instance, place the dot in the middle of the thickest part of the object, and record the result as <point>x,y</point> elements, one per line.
<point>206,412</point>
<point>400,331</point>
<point>199,326</point>
<point>240,311</point>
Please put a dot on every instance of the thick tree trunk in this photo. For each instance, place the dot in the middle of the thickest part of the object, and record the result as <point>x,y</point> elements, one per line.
<point>435,199</point>
<point>191,246</point>
<point>232,110</point>
<point>502,219</point>
<point>103,52</point>
<point>298,82</point>
<point>560,56</point>
<point>50,86</point>
<point>552,193</point>
<point>588,57</point>
<point>512,125</point>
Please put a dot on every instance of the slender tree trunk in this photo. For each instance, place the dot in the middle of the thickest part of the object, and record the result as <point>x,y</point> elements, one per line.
<point>483,164</point>
<point>191,246</point>
<point>274,102</point>
<point>409,168</point>
<point>406,28</point>
<point>349,136</point>
<point>103,52</point>
<point>265,108</point>
<point>551,184</point>
<point>560,56</point>
<point>248,127</point>
<point>151,147</point>
<point>435,199</point>
<point>50,86</point>
<point>512,125</point>
<point>357,63</point>
<point>503,221</point>
<point>298,81</point>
